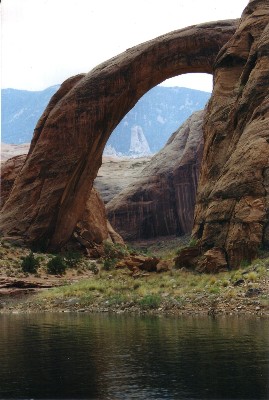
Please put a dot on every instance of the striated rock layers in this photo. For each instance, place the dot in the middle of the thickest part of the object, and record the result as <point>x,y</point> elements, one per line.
<point>232,211</point>
<point>91,230</point>
<point>50,192</point>
<point>162,200</point>
<point>9,171</point>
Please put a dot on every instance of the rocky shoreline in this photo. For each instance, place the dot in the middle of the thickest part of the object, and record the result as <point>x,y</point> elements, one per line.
<point>207,307</point>
<point>99,286</point>
<point>243,301</point>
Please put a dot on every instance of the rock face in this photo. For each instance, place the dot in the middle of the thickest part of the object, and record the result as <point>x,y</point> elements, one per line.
<point>50,192</point>
<point>139,145</point>
<point>91,230</point>
<point>162,200</point>
<point>9,171</point>
<point>232,210</point>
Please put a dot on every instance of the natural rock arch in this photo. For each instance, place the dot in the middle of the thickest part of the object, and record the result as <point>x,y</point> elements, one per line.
<point>51,190</point>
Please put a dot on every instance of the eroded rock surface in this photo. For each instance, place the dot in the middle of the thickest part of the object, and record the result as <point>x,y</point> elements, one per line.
<point>92,229</point>
<point>232,210</point>
<point>161,202</point>
<point>52,188</point>
<point>9,171</point>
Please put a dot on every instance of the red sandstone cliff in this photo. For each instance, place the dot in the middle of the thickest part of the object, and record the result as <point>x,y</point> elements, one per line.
<point>162,200</point>
<point>9,171</point>
<point>232,210</point>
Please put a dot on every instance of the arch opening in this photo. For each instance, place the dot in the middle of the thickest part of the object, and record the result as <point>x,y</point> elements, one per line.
<point>146,128</point>
<point>150,189</point>
<point>197,81</point>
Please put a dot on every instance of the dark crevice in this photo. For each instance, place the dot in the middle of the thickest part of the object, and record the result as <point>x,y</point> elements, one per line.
<point>230,60</point>
<point>173,201</point>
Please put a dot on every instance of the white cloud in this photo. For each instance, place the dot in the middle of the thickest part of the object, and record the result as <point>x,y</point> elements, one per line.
<point>46,41</point>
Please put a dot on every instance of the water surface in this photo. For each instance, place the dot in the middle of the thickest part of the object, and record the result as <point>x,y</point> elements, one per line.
<point>79,356</point>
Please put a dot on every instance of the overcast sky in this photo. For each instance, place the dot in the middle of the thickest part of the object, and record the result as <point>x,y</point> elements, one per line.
<point>46,41</point>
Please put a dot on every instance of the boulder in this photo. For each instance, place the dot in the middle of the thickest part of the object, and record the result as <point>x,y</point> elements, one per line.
<point>192,258</point>
<point>188,257</point>
<point>136,263</point>
<point>93,227</point>
<point>213,261</point>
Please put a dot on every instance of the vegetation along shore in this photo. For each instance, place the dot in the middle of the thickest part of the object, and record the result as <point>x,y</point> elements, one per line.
<point>72,282</point>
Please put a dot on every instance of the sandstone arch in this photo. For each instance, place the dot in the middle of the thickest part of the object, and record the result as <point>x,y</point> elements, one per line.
<point>50,192</point>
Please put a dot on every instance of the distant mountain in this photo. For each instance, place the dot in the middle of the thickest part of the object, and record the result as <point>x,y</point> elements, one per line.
<point>144,130</point>
<point>157,115</point>
<point>21,109</point>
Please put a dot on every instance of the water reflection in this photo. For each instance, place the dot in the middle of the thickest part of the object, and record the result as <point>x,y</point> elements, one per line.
<point>123,357</point>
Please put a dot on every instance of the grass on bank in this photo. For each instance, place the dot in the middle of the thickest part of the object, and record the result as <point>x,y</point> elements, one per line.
<point>117,288</point>
<point>110,288</point>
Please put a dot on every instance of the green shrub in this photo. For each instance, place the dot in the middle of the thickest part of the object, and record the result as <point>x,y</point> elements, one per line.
<point>114,250</point>
<point>56,266</point>
<point>72,258</point>
<point>30,264</point>
<point>109,264</point>
<point>252,276</point>
<point>150,301</point>
<point>244,263</point>
<point>212,280</point>
<point>214,290</point>
<point>193,242</point>
<point>225,283</point>
<point>94,268</point>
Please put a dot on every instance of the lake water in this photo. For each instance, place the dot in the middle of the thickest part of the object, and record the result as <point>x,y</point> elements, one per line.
<point>79,356</point>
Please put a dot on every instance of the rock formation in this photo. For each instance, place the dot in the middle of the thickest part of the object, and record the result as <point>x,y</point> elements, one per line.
<point>139,145</point>
<point>232,210</point>
<point>162,200</point>
<point>91,230</point>
<point>9,171</point>
<point>50,192</point>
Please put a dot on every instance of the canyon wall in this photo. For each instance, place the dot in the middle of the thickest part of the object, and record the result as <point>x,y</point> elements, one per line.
<point>232,210</point>
<point>161,202</point>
